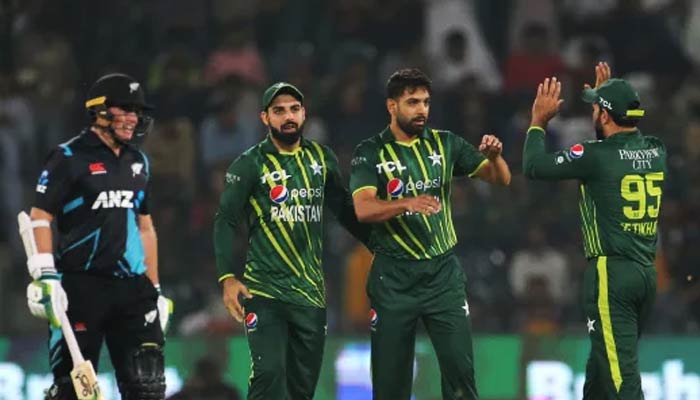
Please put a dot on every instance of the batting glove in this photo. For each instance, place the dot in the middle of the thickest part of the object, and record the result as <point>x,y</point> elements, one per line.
<point>45,297</point>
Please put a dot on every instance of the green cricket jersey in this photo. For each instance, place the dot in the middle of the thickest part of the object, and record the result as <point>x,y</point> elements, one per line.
<point>424,166</point>
<point>621,187</point>
<point>280,195</point>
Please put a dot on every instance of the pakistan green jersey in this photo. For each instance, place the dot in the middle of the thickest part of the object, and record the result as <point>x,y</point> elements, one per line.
<point>281,195</point>
<point>621,187</point>
<point>426,165</point>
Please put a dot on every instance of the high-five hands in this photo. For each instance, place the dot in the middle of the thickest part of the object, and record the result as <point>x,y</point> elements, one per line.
<point>602,74</point>
<point>547,102</point>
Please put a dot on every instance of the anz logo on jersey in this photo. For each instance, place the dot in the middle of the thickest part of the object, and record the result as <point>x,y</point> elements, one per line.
<point>114,199</point>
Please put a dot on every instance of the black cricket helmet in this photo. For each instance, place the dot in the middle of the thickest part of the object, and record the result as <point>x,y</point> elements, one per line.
<point>119,90</point>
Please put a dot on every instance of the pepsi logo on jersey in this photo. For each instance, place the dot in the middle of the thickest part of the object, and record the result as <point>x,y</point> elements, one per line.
<point>251,321</point>
<point>576,151</point>
<point>279,194</point>
<point>395,187</point>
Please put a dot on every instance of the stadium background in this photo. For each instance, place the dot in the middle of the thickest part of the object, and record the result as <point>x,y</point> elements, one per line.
<point>204,65</point>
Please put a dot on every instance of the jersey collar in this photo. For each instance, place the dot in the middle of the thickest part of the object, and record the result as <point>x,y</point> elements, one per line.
<point>388,137</point>
<point>269,147</point>
<point>91,139</point>
<point>624,135</point>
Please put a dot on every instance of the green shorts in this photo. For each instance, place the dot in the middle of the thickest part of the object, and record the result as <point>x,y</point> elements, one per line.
<point>403,292</point>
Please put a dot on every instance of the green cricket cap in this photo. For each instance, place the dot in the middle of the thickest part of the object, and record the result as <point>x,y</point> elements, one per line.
<point>278,89</point>
<point>618,97</point>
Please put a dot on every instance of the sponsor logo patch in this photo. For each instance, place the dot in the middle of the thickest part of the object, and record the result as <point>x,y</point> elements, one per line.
<point>97,168</point>
<point>395,187</point>
<point>279,194</point>
<point>251,320</point>
<point>42,182</point>
<point>576,151</point>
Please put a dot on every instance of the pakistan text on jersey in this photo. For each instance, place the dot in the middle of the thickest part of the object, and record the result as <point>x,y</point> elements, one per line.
<point>299,213</point>
<point>640,228</point>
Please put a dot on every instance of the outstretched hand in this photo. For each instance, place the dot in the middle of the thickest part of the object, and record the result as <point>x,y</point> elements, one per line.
<point>547,102</point>
<point>602,74</point>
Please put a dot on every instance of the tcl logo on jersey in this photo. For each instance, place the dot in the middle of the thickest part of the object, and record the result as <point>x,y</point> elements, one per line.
<point>279,194</point>
<point>395,187</point>
<point>114,199</point>
<point>390,166</point>
<point>275,176</point>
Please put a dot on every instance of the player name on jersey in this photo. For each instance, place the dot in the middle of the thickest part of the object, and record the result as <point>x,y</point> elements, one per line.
<point>640,228</point>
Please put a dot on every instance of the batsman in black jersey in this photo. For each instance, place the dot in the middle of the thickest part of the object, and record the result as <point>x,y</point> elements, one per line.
<point>102,267</point>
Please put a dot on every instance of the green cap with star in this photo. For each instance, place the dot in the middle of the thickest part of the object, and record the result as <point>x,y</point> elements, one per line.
<point>618,97</point>
<point>278,89</point>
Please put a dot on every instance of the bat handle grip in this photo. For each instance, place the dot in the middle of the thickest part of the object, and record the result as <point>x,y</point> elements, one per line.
<point>75,354</point>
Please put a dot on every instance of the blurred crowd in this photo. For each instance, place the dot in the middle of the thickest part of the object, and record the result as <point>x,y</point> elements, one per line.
<point>205,63</point>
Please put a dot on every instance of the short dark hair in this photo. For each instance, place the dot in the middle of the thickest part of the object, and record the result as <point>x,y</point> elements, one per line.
<point>406,78</point>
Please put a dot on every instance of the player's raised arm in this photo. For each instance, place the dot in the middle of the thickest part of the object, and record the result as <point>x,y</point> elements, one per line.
<point>537,162</point>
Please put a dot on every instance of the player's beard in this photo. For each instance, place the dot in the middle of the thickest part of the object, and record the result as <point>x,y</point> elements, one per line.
<point>409,126</point>
<point>598,125</point>
<point>287,138</point>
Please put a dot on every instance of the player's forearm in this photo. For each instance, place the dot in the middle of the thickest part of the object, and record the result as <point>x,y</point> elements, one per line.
<point>42,235</point>
<point>533,149</point>
<point>150,247</point>
<point>499,172</point>
<point>375,210</point>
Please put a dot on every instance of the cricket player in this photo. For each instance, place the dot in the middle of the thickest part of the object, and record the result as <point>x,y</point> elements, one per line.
<point>401,183</point>
<point>621,178</point>
<point>104,271</point>
<point>279,188</point>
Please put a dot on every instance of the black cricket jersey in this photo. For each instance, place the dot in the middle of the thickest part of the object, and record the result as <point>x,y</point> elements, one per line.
<point>95,198</point>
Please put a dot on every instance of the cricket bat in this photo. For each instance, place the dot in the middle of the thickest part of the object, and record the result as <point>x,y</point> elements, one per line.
<point>83,374</point>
